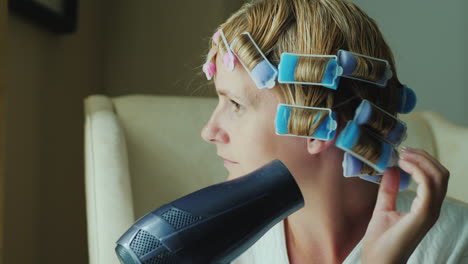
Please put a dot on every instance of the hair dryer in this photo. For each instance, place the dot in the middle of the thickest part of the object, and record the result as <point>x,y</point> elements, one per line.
<point>215,224</point>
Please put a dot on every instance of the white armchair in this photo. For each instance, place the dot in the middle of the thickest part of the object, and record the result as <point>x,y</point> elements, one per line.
<point>144,151</point>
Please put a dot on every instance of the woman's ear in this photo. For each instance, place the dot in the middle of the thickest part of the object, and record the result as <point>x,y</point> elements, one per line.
<point>315,146</point>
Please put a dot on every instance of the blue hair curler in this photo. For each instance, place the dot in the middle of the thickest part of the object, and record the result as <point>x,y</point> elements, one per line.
<point>344,64</point>
<point>405,179</point>
<point>407,100</point>
<point>353,134</point>
<point>326,130</point>
<point>367,113</point>
<point>288,65</point>
<point>287,68</point>
<point>349,61</point>
<point>264,75</point>
<point>352,167</point>
<point>331,69</point>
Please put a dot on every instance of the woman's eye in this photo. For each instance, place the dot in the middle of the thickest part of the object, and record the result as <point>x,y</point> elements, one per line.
<point>236,106</point>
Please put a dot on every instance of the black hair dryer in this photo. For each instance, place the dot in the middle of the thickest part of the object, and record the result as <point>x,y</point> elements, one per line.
<point>215,224</point>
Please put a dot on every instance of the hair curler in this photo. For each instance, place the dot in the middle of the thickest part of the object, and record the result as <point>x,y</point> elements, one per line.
<point>325,130</point>
<point>407,100</point>
<point>215,224</point>
<point>330,70</point>
<point>355,64</point>
<point>352,167</point>
<point>370,114</point>
<point>353,136</point>
<point>332,67</point>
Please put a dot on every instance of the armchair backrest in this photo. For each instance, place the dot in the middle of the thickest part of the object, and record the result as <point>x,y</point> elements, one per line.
<point>144,151</point>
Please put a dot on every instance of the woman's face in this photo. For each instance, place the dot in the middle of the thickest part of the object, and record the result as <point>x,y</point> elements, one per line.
<point>242,125</point>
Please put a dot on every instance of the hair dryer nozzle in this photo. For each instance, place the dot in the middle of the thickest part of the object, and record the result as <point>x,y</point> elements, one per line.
<point>215,224</point>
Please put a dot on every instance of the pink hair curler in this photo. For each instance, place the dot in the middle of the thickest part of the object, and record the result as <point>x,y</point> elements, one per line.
<point>209,68</point>
<point>216,37</point>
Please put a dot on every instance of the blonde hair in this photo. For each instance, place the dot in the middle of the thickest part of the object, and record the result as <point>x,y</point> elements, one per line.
<point>316,27</point>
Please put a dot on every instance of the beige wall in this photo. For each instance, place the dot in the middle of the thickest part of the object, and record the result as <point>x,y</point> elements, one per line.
<point>158,47</point>
<point>49,75</point>
<point>3,52</point>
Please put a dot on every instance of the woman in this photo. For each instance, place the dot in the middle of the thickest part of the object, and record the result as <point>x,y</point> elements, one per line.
<point>344,219</point>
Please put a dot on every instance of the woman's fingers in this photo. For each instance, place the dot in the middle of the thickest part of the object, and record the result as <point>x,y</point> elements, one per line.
<point>404,231</point>
<point>388,190</point>
<point>435,162</point>
<point>437,173</point>
<point>432,179</point>
<point>426,171</point>
<point>425,163</point>
<point>425,189</point>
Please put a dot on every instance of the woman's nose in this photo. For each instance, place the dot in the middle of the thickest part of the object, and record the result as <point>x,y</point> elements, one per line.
<point>212,132</point>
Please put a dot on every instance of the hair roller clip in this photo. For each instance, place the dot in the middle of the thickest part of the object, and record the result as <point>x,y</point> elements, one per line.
<point>263,73</point>
<point>290,120</point>
<point>373,116</point>
<point>355,138</point>
<point>228,57</point>
<point>407,100</point>
<point>229,60</point>
<point>352,167</point>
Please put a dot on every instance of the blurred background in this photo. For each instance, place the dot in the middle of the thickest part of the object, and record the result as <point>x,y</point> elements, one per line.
<point>154,47</point>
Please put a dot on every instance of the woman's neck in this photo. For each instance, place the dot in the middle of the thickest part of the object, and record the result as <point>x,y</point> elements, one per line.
<point>335,216</point>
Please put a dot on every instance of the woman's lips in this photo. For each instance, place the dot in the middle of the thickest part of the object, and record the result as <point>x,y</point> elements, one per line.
<point>229,162</point>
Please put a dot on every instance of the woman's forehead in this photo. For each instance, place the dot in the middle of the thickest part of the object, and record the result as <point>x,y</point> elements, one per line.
<point>236,83</point>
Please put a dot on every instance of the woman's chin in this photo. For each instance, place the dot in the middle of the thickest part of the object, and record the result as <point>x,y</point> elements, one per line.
<point>233,175</point>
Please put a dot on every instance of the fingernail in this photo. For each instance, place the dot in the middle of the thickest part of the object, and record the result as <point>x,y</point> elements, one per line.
<point>402,149</point>
<point>407,149</point>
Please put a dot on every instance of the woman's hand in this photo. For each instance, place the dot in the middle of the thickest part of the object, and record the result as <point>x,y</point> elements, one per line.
<point>391,237</point>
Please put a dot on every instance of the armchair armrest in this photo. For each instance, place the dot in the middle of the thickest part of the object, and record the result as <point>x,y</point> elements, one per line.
<point>452,149</point>
<point>107,180</point>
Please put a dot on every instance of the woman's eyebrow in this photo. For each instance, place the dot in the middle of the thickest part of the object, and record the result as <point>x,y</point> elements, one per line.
<point>247,98</point>
<point>229,94</point>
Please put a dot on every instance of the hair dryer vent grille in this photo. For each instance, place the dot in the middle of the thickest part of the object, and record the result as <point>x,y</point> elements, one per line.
<point>179,219</point>
<point>144,242</point>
